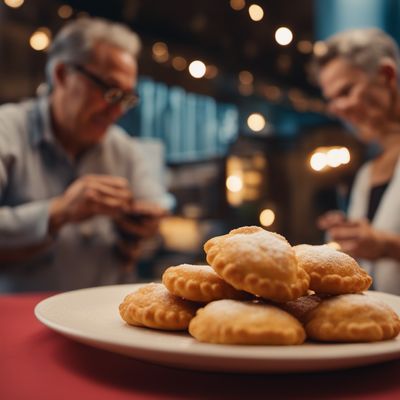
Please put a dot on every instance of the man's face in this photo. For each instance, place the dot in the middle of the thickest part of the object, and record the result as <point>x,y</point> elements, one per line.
<point>86,110</point>
<point>362,99</point>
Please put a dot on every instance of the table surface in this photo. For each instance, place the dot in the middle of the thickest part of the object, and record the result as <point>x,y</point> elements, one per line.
<point>37,363</point>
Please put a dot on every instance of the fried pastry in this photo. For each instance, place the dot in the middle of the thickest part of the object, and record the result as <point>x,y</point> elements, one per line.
<point>331,271</point>
<point>352,318</point>
<point>199,283</point>
<point>154,307</point>
<point>259,262</point>
<point>235,322</point>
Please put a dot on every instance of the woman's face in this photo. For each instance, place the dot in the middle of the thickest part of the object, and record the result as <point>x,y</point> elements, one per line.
<point>364,100</point>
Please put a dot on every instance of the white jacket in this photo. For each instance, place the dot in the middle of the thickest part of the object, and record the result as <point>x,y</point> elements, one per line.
<point>386,272</point>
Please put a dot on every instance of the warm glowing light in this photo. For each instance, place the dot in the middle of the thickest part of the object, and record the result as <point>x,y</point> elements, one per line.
<point>40,40</point>
<point>272,93</point>
<point>179,63</point>
<point>345,155</point>
<point>256,12</point>
<point>318,161</point>
<point>267,217</point>
<point>14,3</point>
<point>234,183</point>
<point>65,11</point>
<point>283,36</point>
<point>256,122</point>
<point>320,49</point>
<point>197,69</point>
<point>246,77</point>
<point>237,5</point>
<point>334,157</point>
<point>305,46</point>
<point>211,72</point>
<point>252,178</point>
<point>160,52</point>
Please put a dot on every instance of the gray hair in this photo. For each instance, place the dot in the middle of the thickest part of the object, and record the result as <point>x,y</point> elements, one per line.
<point>76,41</point>
<point>364,48</point>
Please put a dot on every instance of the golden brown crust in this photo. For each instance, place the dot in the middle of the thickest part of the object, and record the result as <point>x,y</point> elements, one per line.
<point>154,307</point>
<point>199,283</point>
<point>235,322</point>
<point>259,262</point>
<point>352,318</point>
<point>331,271</point>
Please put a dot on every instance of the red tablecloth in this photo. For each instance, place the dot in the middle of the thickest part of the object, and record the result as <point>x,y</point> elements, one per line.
<point>36,363</point>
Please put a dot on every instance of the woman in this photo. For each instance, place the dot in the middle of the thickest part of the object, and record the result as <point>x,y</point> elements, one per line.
<point>358,72</point>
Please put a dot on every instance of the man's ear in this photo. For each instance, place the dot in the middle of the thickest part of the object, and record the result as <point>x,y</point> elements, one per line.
<point>388,70</point>
<point>60,73</point>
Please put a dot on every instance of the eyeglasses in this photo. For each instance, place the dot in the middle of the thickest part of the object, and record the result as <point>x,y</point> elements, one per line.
<point>112,95</point>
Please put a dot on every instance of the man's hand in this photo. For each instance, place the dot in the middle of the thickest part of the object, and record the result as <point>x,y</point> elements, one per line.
<point>88,196</point>
<point>359,239</point>
<point>141,222</point>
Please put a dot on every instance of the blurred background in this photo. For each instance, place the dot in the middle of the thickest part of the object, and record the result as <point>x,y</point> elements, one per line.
<point>226,101</point>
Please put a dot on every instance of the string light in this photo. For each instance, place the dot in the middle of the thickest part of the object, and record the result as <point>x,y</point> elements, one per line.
<point>237,5</point>
<point>160,52</point>
<point>234,183</point>
<point>211,72</point>
<point>14,3</point>
<point>283,36</point>
<point>333,157</point>
<point>246,77</point>
<point>320,48</point>
<point>246,85</point>
<point>40,39</point>
<point>305,46</point>
<point>267,217</point>
<point>197,69</point>
<point>256,12</point>
<point>256,122</point>
<point>179,63</point>
<point>65,11</point>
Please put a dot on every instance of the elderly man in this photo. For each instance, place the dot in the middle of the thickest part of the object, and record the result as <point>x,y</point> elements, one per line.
<point>76,193</point>
<point>358,71</point>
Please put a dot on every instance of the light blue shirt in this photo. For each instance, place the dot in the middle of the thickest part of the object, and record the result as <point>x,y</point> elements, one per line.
<point>34,168</point>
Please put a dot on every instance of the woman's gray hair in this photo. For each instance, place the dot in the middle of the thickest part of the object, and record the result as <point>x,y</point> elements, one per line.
<point>75,42</point>
<point>364,48</point>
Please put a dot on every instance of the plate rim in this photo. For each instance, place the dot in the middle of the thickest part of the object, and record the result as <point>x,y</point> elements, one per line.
<point>380,351</point>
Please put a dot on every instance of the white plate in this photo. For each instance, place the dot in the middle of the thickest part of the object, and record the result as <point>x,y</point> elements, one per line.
<point>91,316</point>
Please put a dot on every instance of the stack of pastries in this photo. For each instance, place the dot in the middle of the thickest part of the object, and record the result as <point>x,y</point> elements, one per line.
<point>259,290</point>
